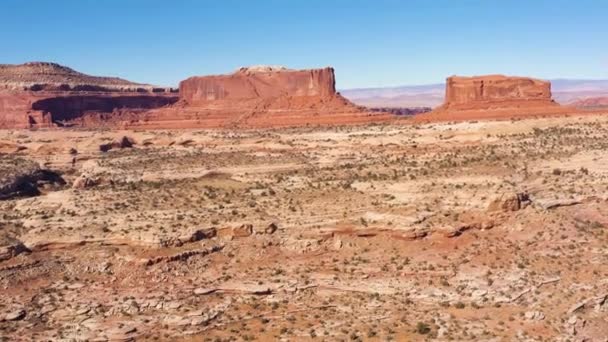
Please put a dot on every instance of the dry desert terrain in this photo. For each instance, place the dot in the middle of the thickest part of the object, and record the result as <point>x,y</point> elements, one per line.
<point>476,231</point>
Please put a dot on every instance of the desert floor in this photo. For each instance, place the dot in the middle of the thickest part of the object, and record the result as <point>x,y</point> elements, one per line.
<point>480,231</point>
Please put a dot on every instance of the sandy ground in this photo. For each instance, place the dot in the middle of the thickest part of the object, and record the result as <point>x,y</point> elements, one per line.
<point>480,231</point>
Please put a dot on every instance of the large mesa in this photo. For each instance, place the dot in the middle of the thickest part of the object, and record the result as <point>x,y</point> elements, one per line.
<point>259,82</point>
<point>262,96</point>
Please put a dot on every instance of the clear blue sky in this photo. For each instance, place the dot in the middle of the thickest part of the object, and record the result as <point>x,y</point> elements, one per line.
<point>370,43</point>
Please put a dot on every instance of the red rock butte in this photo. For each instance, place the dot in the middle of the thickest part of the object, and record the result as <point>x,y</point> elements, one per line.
<point>261,96</point>
<point>259,83</point>
<point>496,90</point>
<point>495,97</point>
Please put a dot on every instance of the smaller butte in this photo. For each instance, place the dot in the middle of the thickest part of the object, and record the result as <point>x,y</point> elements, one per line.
<point>495,97</point>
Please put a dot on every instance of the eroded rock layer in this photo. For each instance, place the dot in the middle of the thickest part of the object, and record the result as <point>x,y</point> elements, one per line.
<point>27,109</point>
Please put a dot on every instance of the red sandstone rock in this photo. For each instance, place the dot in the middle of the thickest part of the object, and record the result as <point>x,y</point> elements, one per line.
<point>496,91</point>
<point>259,83</point>
<point>495,97</point>
<point>42,95</point>
<point>27,109</point>
<point>16,111</point>
<point>261,97</point>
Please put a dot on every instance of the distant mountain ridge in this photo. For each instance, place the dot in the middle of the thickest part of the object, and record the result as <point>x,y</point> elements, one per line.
<point>45,75</point>
<point>565,91</point>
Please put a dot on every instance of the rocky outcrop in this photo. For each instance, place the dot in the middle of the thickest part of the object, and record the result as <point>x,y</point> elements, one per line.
<point>494,97</point>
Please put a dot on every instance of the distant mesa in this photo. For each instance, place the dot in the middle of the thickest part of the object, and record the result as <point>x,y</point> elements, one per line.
<point>600,102</point>
<point>495,96</point>
<point>496,91</point>
<point>39,76</point>
<point>262,96</point>
<point>42,94</point>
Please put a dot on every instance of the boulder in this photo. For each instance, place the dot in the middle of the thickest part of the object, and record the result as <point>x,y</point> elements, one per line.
<point>11,250</point>
<point>509,202</point>
<point>16,315</point>
<point>243,230</point>
<point>124,142</point>
<point>270,229</point>
<point>85,181</point>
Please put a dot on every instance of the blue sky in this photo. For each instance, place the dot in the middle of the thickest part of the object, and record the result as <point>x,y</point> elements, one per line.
<point>369,43</point>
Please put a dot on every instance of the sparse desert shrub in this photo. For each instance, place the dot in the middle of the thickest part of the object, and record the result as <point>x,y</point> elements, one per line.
<point>423,328</point>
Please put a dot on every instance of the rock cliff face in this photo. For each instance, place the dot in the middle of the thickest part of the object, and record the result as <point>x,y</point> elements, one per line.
<point>43,95</point>
<point>45,109</point>
<point>259,83</point>
<point>495,91</point>
<point>494,97</point>
<point>16,112</point>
